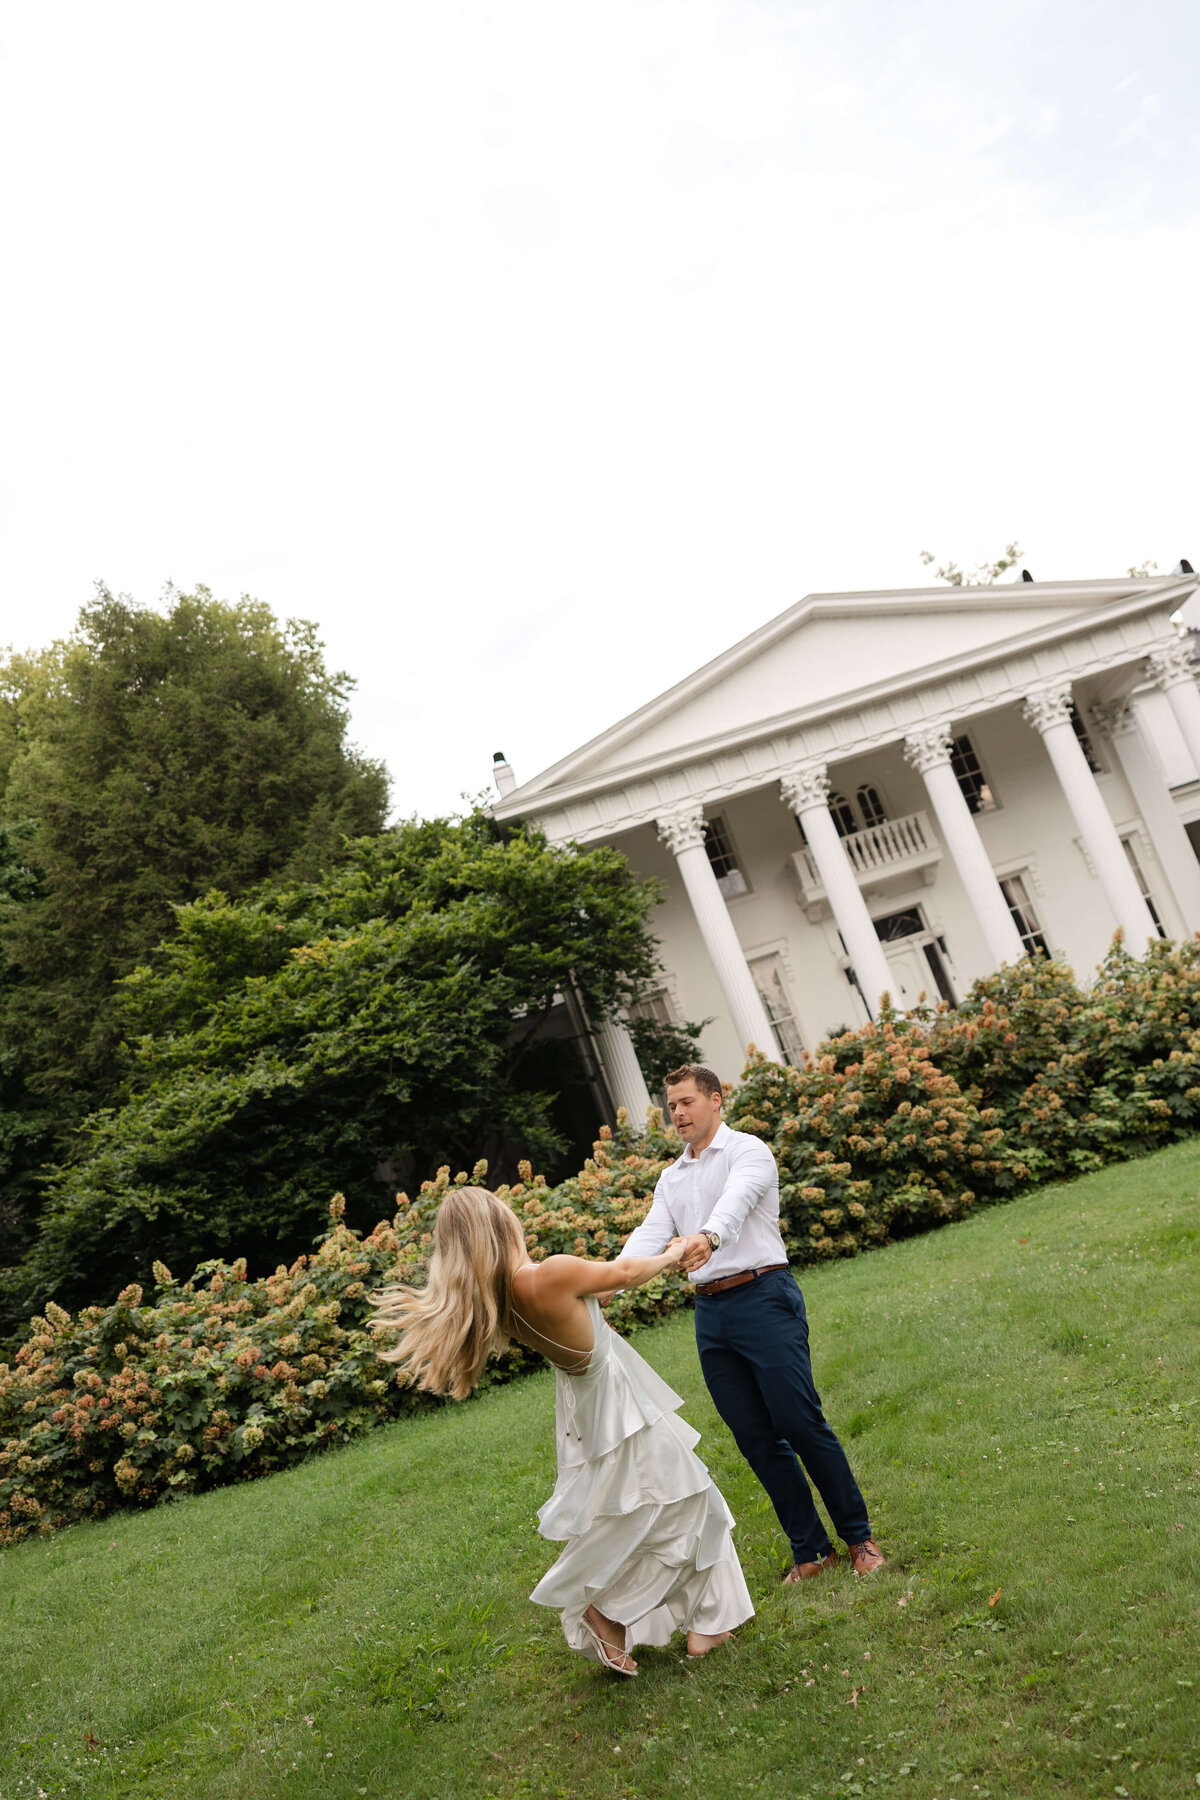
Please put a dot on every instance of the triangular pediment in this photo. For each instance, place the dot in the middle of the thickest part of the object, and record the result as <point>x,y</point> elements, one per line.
<point>829,651</point>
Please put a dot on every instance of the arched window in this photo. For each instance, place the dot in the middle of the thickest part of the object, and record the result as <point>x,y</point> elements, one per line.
<point>871,806</point>
<point>843,815</point>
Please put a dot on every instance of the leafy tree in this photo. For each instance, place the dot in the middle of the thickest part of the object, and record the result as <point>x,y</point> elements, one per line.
<point>661,1047</point>
<point>157,755</point>
<point>982,573</point>
<point>985,572</point>
<point>386,1019</point>
<point>24,1117</point>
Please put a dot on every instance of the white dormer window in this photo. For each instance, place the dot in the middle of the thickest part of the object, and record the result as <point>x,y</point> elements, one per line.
<point>725,867</point>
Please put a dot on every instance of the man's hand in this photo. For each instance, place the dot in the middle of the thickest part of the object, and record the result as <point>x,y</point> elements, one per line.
<point>696,1251</point>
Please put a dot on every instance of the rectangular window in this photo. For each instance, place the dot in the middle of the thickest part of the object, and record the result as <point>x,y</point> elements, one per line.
<point>730,879</point>
<point>1085,742</point>
<point>843,815</point>
<point>768,978</point>
<point>1023,915</point>
<point>976,792</point>
<point>655,1007</point>
<point>1147,896</point>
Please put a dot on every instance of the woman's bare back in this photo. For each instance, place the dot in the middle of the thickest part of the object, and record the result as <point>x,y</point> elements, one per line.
<point>552,1320</point>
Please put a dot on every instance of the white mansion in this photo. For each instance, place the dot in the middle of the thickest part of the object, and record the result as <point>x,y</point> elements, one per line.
<point>900,792</point>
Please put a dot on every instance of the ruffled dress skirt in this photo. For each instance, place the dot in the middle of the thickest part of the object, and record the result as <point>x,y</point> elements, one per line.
<point>648,1534</point>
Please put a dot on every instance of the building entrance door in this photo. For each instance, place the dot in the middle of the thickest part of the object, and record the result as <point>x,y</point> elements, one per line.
<point>917,958</point>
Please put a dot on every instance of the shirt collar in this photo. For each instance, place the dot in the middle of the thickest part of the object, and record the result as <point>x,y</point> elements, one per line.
<point>720,1138</point>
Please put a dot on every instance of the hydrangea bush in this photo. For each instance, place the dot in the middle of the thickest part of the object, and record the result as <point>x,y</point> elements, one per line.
<point>873,1140</point>
<point>223,1378</point>
<point>900,1126</point>
<point>1082,1078</point>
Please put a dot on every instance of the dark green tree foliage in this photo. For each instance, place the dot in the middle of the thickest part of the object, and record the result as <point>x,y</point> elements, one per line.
<point>389,1017</point>
<point>24,1116</point>
<point>157,755</point>
<point>662,1047</point>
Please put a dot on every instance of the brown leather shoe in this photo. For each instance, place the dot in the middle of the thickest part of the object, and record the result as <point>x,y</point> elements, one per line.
<point>806,1570</point>
<point>866,1557</point>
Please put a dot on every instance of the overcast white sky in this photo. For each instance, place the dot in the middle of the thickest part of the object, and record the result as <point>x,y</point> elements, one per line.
<point>538,351</point>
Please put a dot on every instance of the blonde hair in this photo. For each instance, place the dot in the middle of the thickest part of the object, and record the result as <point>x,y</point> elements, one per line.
<point>463,1314</point>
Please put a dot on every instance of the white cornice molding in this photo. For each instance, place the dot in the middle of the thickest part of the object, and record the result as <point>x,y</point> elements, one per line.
<point>603,812</point>
<point>1102,600</point>
<point>704,774</point>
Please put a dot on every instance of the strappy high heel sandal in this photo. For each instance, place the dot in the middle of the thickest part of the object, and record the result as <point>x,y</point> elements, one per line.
<point>608,1653</point>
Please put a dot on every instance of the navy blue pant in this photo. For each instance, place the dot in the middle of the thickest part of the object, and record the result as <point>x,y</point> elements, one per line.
<point>753,1344</point>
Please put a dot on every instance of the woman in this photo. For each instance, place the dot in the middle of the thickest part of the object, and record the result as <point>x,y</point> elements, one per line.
<point>649,1546</point>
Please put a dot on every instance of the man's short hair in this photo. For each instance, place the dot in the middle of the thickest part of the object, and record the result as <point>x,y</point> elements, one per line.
<point>705,1080</point>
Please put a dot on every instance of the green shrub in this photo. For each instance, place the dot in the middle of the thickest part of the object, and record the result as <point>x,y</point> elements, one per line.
<point>1079,1079</point>
<point>223,1378</point>
<point>895,1128</point>
<point>219,1379</point>
<point>873,1141</point>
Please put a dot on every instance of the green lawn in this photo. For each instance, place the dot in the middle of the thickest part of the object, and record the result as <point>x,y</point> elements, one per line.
<point>1019,1396</point>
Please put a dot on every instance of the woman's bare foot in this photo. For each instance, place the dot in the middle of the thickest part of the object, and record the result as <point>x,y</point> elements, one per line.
<point>611,1642</point>
<point>700,1645</point>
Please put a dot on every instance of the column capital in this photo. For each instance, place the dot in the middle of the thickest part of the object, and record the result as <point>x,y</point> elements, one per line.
<point>1116,717</point>
<point>928,746</point>
<point>1048,706</point>
<point>805,787</point>
<point>682,829</point>
<point>1172,664</point>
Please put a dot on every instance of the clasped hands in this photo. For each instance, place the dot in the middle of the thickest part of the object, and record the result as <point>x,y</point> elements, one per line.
<point>694,1251</point>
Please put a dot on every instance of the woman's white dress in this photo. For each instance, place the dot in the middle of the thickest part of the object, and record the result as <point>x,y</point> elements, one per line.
<point>648,1534</point>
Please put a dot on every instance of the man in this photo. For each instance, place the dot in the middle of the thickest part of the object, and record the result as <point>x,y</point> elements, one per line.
<point>722,1197</point>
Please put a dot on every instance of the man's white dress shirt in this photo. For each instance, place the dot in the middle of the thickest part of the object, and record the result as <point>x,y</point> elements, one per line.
<point>731,1188</point>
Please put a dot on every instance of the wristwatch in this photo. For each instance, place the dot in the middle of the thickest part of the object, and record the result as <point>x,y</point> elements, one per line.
<point>714,1239</point>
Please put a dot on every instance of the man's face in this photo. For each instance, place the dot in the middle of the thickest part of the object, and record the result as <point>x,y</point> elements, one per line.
<point>695,1115</point>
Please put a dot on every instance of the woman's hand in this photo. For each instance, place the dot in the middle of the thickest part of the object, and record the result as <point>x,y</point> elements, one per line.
<point>675,1252</point>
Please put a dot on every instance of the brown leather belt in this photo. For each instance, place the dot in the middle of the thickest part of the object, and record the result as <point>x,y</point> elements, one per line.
<point>732,1281</point>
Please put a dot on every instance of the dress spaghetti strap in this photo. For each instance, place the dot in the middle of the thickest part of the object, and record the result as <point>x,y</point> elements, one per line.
<point>570,1349</point>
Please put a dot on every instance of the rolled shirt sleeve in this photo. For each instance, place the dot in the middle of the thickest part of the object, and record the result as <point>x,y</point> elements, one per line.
<point>752,1174</point>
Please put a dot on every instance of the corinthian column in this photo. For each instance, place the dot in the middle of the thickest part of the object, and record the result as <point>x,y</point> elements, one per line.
<point>1118,721</point>
<point>683,833</point>
<point>623,1071</point>
<point>1049,712</point>
<point>806,791</point>
<point>1174,669</point>
<point>929,751</point>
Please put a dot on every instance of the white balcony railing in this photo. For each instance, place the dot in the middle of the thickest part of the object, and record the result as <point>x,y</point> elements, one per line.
<point>879,855</point>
